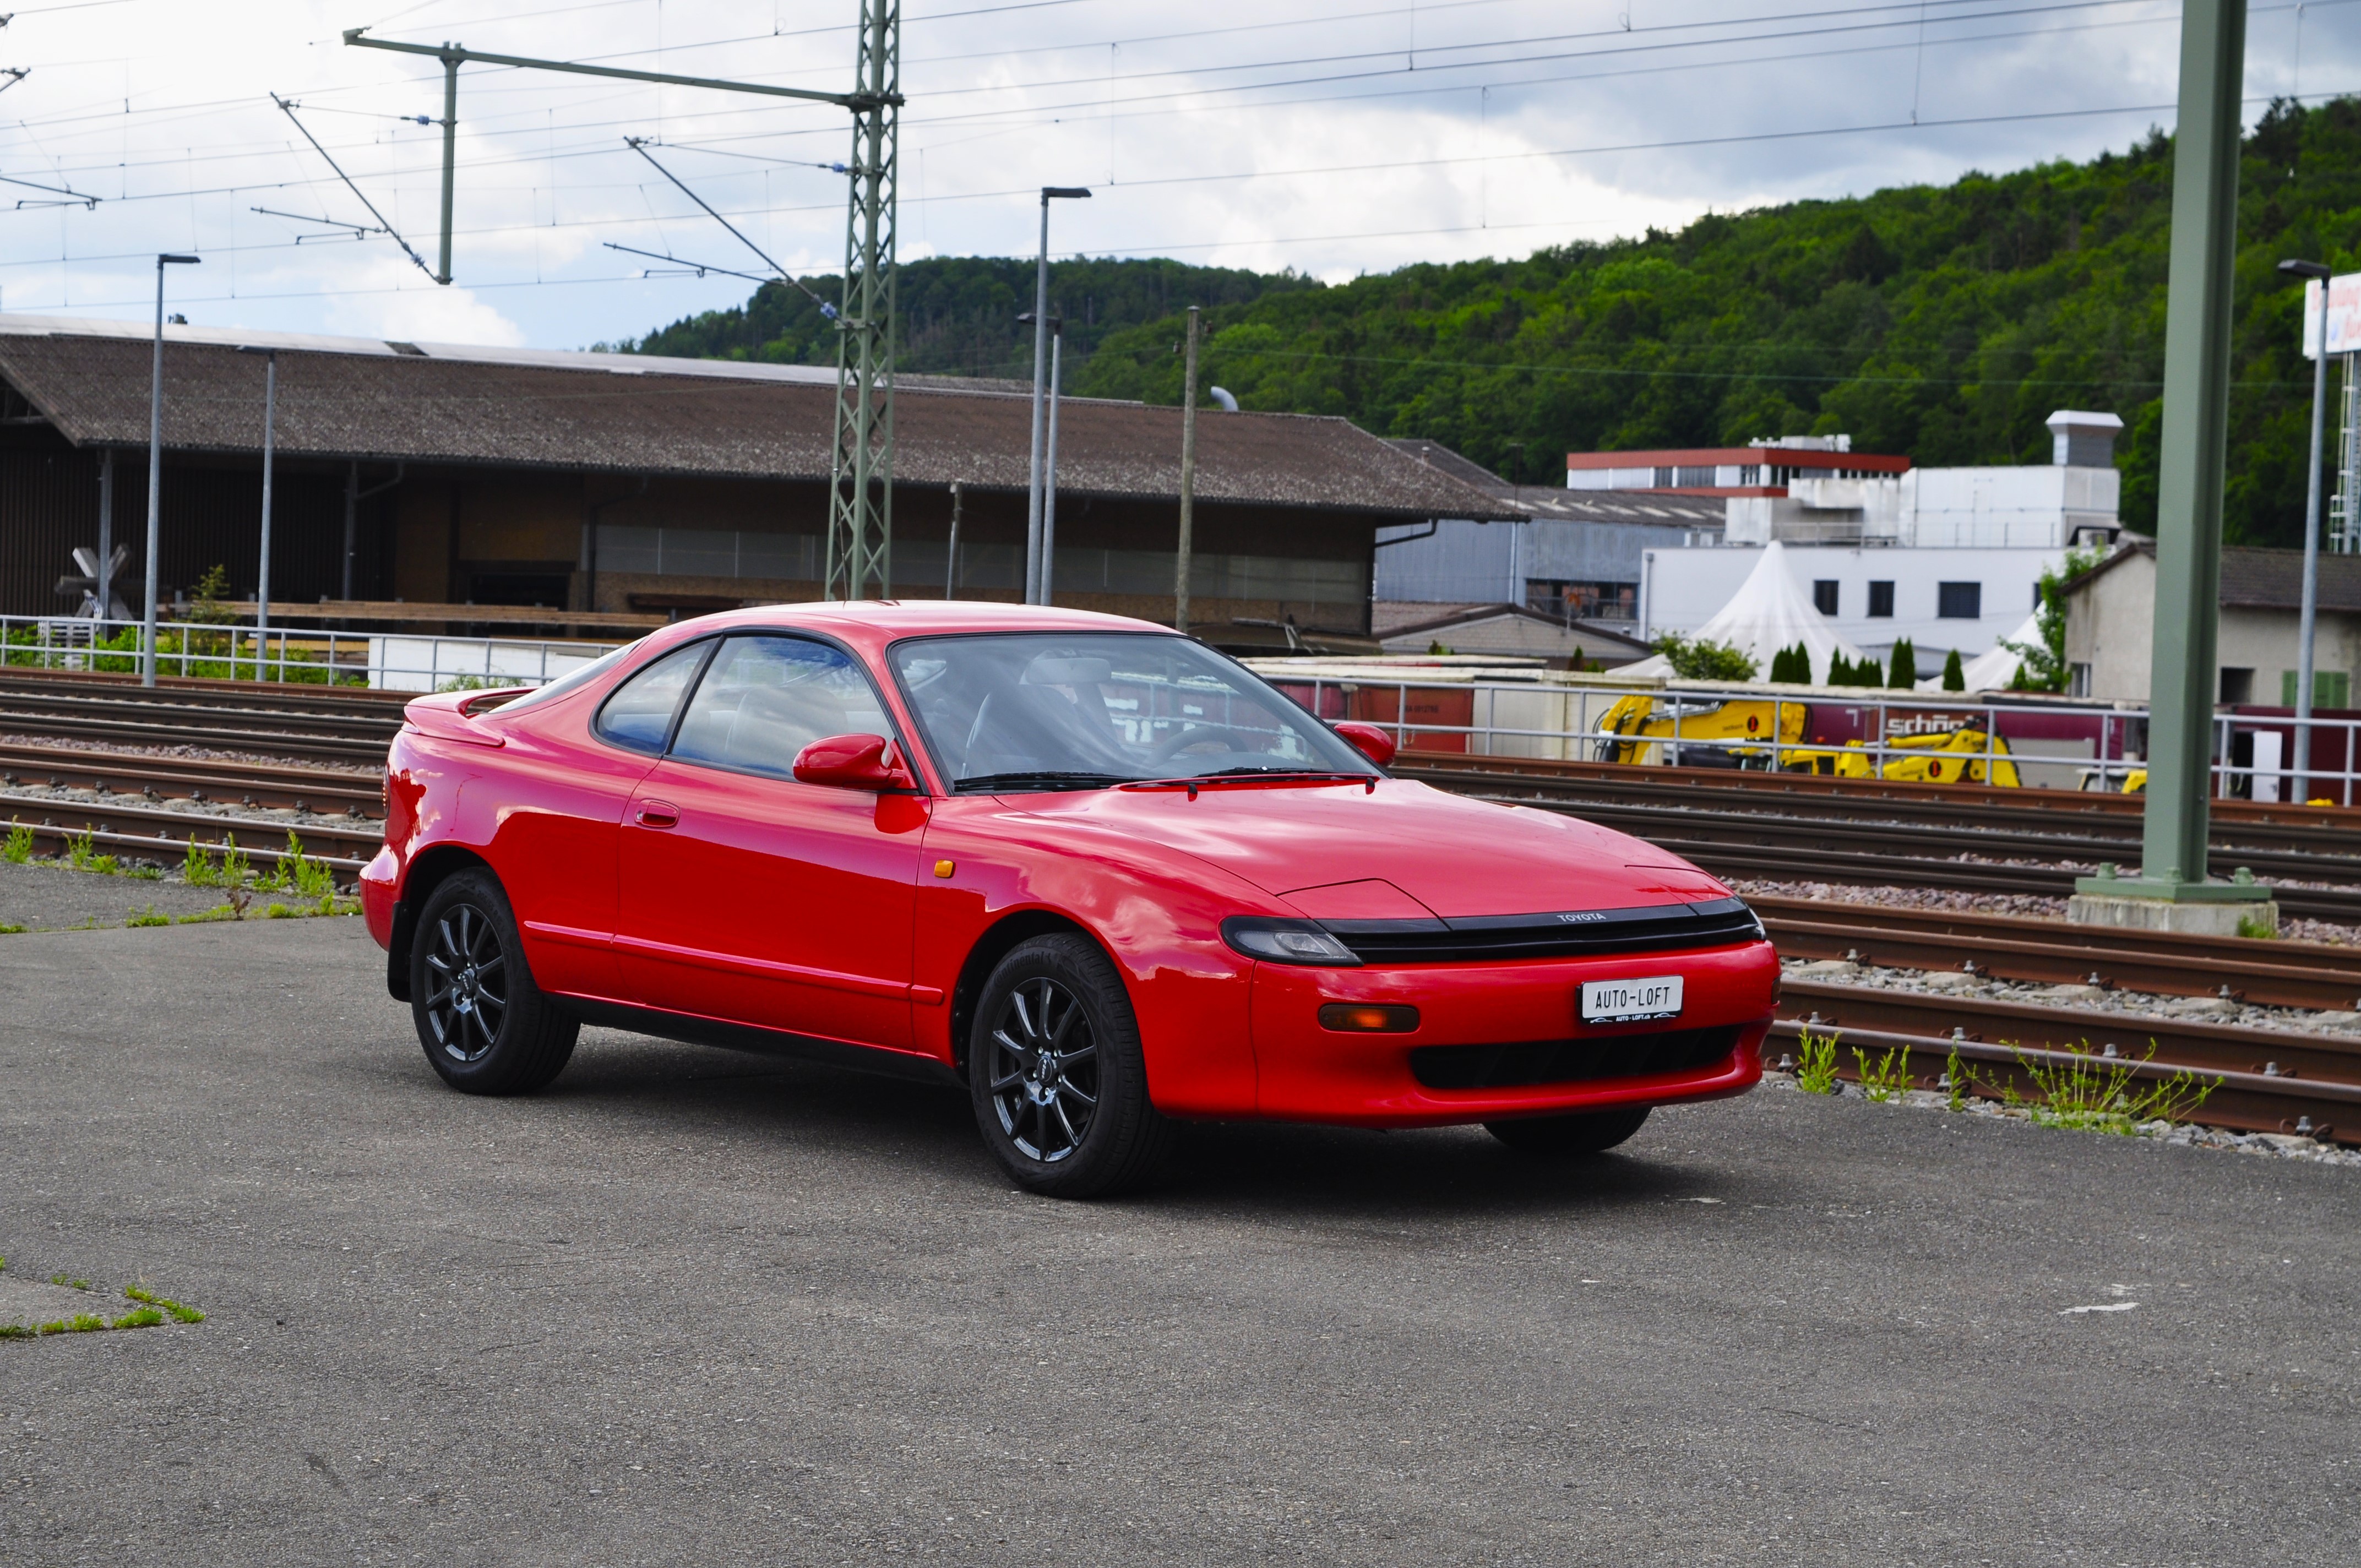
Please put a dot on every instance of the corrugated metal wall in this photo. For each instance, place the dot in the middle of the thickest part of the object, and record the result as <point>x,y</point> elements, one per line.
<point>49,504</point>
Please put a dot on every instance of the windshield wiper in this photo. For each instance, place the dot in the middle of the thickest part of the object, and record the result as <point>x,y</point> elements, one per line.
<point>1043,779</point>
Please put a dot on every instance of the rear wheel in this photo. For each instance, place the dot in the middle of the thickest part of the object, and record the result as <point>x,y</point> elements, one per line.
<point>1570,1137</point>
<point>486,1028</point>
<point>1056,1075</point>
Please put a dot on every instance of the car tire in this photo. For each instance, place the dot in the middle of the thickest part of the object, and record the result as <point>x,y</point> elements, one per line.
<point>486,1028</point>
<point>1570,1137</point>
<point>1056,1076</point>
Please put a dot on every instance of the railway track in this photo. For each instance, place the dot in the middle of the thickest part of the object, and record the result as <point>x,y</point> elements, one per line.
<point>277,787</point>
<point>1879,832</point>
<point>2272,974</point>
<point>2265,1080</point>
<point>321,723</point>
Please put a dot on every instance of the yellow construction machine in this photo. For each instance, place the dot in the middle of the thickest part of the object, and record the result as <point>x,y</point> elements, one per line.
<point>1767,733</point>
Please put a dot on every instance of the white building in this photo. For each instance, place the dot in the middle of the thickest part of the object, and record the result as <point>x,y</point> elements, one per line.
<point>1950,558</point>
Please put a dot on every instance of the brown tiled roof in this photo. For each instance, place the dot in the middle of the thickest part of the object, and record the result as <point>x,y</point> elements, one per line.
<point>2273,580</point>
<point>2259,579</point>
<point>603,418</point>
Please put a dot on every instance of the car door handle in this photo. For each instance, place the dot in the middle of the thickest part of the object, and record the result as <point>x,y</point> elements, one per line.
<point>658,814</point>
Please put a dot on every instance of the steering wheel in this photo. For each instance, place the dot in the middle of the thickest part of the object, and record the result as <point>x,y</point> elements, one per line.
<point>1181,740</point>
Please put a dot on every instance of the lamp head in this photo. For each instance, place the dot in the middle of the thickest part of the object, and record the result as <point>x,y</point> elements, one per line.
<point>2308,270</point>
<point>1067,192</point>
<point>170,260</point>
<point>256,348</point>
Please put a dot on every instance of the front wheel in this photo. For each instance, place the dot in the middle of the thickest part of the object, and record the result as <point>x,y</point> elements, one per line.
<point>486,1028</point>
<point>1056,1076</point>
<point>1570,1137</point>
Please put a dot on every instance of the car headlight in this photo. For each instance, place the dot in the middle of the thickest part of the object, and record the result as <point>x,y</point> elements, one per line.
<point>1285,942</point>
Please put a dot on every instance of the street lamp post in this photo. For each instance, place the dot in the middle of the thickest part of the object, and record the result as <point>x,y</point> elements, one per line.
<point>1049,467</point>
<point>1033,563</point>
<point>270,430</point>
<point>2311,272</point>
<point>155,469</point>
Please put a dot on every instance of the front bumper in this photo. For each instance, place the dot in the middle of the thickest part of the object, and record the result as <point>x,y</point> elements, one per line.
<point>1306,1072</point>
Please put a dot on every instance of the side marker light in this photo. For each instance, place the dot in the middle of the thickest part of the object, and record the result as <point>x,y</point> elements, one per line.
<point>1362,1019</point>
<point>944,867</point>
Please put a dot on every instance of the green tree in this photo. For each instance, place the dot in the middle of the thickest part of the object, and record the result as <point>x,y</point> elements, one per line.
<point>1955,674</point>
<point>1699,660</point>
<point>1904,672</point>
<point>2042,665</point>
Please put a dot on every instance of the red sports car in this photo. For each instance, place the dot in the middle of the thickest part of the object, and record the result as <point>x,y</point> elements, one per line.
<point>1097,871</point>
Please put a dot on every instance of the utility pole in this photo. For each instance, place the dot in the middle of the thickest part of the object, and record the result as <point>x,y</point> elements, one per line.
<point>861,487</point>
<point>155,473</point>
<point>1188,477</point>
<point>861,504</point>
<point>2172,891</point>
<point>1040,317</point>
<point>270,435</point>
<point>2308,616</point>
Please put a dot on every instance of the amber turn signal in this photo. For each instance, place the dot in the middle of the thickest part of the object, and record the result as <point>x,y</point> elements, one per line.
<point>944,867</point>
<point>1361,1018</point>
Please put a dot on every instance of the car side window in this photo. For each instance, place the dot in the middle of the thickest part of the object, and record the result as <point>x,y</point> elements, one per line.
<point>638,717</point>
<point>767,697</point>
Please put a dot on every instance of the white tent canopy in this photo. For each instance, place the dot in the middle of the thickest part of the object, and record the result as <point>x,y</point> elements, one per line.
<point>1767,613</point>
<point>1993,670</point>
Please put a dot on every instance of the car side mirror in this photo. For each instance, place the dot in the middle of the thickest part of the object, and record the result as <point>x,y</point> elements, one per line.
<point>854,761</point>
<point>1369,740</point>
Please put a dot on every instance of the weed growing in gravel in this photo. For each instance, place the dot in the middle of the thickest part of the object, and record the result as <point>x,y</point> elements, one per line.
<point>15,1331</point>
<point>73,1284</point>
<point>1958,1080</point>
<point>148,916</point>
<point>1815,1073</point>
<point>278,912</point>
<point>145,873</point>
<point>83,858</point>
<point>2089,1093</point>
<point>1889,1078</point>
<point>2257,930</point>
<point>234,867</point>
<point>19,846</point>
<point>198,868</point>
<point>311,878</point>
<point>10,930</point>
<point>145,1317</point>
<point>147,1298</point>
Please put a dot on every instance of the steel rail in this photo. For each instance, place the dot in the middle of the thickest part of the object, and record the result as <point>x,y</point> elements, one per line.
<point>2241,1101</point>
<point>2271,973</point>
<point>2237,824</point>
<point>276,786</point>
<point>162,833</point>
<point>2320,1072</point>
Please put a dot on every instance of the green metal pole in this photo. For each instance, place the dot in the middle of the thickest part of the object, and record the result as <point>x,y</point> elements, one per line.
<point>2194,453</point>
<point>450,152</point>
<point>861,497</point>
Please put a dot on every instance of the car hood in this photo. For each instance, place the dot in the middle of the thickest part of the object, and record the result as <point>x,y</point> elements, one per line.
<point>1344,851</point>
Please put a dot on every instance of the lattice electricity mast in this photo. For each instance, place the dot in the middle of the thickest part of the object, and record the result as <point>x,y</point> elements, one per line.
<point>861,492</point>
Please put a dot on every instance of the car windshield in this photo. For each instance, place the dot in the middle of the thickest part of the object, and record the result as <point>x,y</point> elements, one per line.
<point>1039,712</point>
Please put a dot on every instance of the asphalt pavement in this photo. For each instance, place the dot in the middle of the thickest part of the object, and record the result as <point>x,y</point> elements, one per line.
<point>696,1307</point>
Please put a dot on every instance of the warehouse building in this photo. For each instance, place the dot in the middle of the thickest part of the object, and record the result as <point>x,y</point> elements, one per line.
<point>445,475</point>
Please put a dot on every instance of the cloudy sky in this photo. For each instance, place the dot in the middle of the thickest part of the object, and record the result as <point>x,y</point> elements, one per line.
<point>1335,136</point>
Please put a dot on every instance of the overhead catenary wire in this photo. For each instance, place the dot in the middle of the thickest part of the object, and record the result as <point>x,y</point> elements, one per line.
<point>288,109</point>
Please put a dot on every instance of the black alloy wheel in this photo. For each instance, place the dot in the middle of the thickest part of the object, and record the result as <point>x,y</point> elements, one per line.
<point>467,999</point>
<point>1044,1073</point>
<point>1056,1075</point>
<point>487,1027</point>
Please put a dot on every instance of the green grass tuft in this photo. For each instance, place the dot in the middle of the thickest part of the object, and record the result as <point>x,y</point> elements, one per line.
<point>1815,1073</point>
<point>2093,1094</point>
<point>1889,1078</point>
<point>145,1317</point>
<point>18,848</point>
<point>148,918</point>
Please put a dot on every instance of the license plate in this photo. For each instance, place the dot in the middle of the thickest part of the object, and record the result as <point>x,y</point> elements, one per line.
<point>1630,1001</point>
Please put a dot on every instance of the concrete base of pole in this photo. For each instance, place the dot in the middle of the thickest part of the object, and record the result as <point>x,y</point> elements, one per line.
<point>2241,907</point>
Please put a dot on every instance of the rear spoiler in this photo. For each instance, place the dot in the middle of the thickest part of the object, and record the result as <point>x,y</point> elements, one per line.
<point>446,717</point>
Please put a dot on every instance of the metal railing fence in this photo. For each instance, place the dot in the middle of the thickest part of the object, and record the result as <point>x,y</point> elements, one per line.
<point>2049,744</point>
<point>293,656</point>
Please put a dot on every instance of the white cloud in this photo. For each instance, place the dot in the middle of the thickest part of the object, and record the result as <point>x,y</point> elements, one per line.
<point>1272,134</point>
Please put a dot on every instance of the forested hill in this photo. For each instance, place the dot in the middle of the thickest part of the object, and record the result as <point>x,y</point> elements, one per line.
<point>959,314</point>
<point>1942,322</point>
